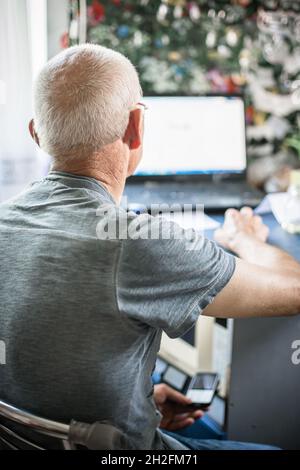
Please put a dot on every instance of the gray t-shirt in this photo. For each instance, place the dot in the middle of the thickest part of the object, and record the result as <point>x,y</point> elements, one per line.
<point>81,315</point>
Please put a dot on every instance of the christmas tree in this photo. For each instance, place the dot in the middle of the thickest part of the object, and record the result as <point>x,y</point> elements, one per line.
<point>242,46</point>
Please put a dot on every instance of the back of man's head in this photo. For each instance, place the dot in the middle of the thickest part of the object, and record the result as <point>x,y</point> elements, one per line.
<point>82,100</point>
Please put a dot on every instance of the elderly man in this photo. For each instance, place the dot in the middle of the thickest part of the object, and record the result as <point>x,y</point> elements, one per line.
<point>81,311</point>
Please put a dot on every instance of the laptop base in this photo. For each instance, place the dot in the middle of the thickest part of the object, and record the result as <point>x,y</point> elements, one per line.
<point>214,197</point>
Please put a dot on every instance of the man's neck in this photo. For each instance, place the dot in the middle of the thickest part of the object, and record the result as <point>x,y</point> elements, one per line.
<point>109,170</point>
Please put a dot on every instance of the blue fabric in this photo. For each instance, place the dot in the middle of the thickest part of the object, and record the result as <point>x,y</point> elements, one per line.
<point>204,428</point>
<point>212,444</point>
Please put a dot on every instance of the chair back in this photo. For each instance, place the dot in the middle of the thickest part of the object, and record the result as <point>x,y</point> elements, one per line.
<point>21,430</point>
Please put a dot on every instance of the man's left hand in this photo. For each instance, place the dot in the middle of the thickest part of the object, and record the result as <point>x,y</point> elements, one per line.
<point>175,408</point>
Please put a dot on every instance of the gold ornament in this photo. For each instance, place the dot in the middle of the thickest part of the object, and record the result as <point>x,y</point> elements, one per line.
<point>238,79</point>
<point>259,118</point>
<point>174,56</point>
<point>176,3</point>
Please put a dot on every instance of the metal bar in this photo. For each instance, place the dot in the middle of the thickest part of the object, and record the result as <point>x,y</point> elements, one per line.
<point>18,438</point>
<point>11,446</point>
<point>45,426</point>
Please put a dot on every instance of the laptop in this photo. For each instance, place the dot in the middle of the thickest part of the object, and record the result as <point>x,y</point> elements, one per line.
<point>194,153</point>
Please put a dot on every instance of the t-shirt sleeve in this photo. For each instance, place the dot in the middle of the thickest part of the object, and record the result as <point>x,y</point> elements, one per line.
<point>168,279</point>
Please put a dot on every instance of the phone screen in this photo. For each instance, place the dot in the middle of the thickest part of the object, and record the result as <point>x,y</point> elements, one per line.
<point>204,381</point>
<point>202,388</point>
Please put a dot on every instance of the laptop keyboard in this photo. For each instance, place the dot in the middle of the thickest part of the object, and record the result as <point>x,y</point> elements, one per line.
<point>213,196</point>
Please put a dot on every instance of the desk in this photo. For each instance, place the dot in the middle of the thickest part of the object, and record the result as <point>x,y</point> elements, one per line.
<point>264,393</point>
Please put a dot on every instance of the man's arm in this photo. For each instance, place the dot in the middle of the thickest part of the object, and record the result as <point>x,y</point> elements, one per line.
<point>266,281</point>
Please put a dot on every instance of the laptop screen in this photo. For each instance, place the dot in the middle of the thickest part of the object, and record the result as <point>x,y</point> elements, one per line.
<point>193,135</point>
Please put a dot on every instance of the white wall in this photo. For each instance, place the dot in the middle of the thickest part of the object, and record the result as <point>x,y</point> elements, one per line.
<point>19,162</point>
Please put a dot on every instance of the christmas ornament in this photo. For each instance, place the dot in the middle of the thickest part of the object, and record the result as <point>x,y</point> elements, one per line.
<point>165,39</point>
<point>243,3</point>
<point>224,51</point>
<point>211,39</point>
<point>138,39</point>
<point>221,14</point>
<point>194,11</point>
<point>275,50</point>
<point>245,59</point>
<point>232,37</point>
<point>74,29</point>
<point>178,11</point>
<point>238,79</point>
<point>233,14</point>
<point>174,56</point>
<point>123,31</point>
<point>270,129</point>
<point>162,12</point>
<point>96,12</point>
<point>175,3</point>
<point>64,40</point>
<point>158,43</point>
<point>268,102</point>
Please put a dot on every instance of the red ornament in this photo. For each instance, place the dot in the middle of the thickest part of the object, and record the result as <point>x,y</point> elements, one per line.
<point>244,3</point>
<point>117,2</point>
<point>97,11</point>
<point>231,86</point>
<point>64,40</point>
<point>249,114</point>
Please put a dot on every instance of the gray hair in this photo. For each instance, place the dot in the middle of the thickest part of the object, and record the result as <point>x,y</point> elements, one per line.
<point>82,100</point>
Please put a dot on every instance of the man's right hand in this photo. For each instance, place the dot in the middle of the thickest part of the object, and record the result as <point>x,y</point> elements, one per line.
<point>241,223</point>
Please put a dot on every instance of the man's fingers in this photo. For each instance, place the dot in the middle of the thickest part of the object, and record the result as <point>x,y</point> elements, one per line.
<point>181,417</point>
<point>198,414</point>
<point>192,414</point>
<point>181,424</point>
<point>246,212</point>
<point>257,220</point>
<point>231,213</point>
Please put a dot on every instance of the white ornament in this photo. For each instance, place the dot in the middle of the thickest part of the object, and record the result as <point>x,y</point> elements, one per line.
<point>211,39</point>
<point>231,37</point>
<point>224,51</point>
<point>162,12</point>
<point>268,102</point>
<point>274,128</point>
<point>74,30</point>
<point>138,39</point>
<point>195,12</point>
<point>178,11</point>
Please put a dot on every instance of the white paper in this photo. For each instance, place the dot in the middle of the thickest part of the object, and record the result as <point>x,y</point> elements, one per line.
<point>275,203</point>
<point>196,220</point>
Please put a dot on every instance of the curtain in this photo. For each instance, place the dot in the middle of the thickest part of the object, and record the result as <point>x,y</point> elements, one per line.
<point>20,162</point>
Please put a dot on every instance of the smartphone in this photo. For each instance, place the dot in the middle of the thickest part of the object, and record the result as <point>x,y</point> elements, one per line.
<point>202,389</point>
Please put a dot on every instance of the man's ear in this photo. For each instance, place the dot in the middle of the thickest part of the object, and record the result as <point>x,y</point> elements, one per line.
<point>133,133</point>
<point>33,133</point>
